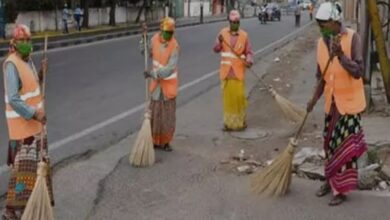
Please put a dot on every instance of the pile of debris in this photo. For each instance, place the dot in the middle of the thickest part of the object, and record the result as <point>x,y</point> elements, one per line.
<point>374,167</point>
<point>242,164</point>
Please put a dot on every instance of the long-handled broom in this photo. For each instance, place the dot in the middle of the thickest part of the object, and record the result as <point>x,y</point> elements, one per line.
<point>39,204</point>
<point>289,109</point>
<point>142,154</point>
<point>275,179</point>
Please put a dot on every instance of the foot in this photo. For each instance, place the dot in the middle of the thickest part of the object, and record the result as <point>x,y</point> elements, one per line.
<point>156,146</point>
<point>337,200</point>
<point>226,129</point>
<point>9,215</point>
<point>167,147</point>
<point>324,190</point>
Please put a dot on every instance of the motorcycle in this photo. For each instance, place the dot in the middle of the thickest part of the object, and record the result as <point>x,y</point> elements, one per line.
<point>263,17</point>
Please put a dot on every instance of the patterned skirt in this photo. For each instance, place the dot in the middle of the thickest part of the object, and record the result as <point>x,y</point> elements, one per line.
<point>234,104</point>
<point>163,121</point>
<point>343,144</point>
<point>23,158</point>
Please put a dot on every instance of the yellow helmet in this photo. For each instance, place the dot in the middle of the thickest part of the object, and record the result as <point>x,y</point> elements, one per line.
<point>167,24</point>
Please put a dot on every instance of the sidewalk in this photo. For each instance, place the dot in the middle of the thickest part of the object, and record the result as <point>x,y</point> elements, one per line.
<point>57,39</point>
<point>191,182</point>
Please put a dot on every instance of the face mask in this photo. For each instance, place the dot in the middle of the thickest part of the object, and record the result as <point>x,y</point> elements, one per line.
<point>167,35</point>
<point>234,27</point>
<point>326,33</point>
<point>24,49</point>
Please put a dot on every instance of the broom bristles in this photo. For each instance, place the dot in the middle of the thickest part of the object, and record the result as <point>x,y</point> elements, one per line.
<point>275,179</point>
<point>39,204</point>
<point>289,109</point>
<point>142,154</point>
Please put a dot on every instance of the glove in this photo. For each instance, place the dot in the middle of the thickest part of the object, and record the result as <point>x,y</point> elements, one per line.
<point>147,74</point>
<point>220,38</point>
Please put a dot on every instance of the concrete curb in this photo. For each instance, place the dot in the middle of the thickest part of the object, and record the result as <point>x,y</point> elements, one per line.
<point>104,35</point>
<point>4,171</point>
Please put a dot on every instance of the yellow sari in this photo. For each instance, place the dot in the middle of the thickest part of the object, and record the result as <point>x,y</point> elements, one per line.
<point>234,104</point>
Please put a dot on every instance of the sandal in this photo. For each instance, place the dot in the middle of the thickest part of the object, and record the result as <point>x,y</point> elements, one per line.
<point>167,147</point>
<point>9,215</point>
<point>337,200</point>
<point>324,190</point>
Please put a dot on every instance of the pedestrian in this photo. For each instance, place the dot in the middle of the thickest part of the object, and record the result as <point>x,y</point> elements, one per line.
<point>77,17</point>
<point>298,11</point>
<point>65,18</point>
<point>311,11</point>
<point>164,50</point>
<point>25,118</point>
<point>342,86</point>
<point>233,41</point>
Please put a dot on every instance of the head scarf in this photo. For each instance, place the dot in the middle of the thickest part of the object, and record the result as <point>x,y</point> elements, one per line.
<point>167,24</point>
<point>234,15</point>
<point>20,32</point>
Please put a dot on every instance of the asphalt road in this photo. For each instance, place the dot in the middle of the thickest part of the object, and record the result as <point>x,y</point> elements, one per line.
<point>93,83</point>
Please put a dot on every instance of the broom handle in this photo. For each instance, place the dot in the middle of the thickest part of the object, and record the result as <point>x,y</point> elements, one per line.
<point>146,53</point>
<point>298,133</point>
<point>43,97</point>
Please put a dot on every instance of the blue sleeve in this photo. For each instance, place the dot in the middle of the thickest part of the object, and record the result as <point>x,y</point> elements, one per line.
<point>13,85</point>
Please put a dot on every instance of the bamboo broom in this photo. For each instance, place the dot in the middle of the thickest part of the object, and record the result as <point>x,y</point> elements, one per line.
<point>39,205</point>
<point>142,154</point>
<point>289,109</point>
<point>275,179</point>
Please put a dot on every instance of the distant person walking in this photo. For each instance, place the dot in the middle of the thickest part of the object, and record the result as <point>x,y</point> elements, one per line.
<point>77,16</point>
<point>65,18</point>
<point>298,15</point>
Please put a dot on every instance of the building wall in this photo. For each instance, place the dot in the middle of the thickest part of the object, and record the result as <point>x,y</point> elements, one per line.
<point>46,20</point>
<point>195,8</point>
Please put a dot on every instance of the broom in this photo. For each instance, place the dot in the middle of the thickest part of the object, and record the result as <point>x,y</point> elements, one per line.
<point>289,109</point>
<point>275,179</point>
<point>142,154</point>
<point>39,204</point>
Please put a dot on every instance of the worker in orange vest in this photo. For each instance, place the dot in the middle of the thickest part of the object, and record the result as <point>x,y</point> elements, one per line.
<point>164,51</point>
<point>342,85</point>
<point>25,118</point>
<point>236,55</point>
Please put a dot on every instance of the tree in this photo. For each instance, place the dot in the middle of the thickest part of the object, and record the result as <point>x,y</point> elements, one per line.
<point>112,3</point>
<point>85,7</point>
<point>11,12</point>
<point>140,11</point>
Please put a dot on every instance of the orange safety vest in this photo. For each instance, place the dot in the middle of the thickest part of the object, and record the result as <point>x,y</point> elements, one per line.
<point>348,92</point>
<point>168,85</point>
<point>18,127</point>
<point>229,58</point>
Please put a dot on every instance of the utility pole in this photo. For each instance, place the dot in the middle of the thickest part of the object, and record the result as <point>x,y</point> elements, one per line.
<point>56,13</point>
<point>189,8</point>
<point>380,44</point>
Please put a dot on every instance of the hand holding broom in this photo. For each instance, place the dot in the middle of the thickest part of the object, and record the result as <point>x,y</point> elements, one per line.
<point>275,179</point>
<point>39,204</point>
<point>142,154</point>
<point>289,109</point>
